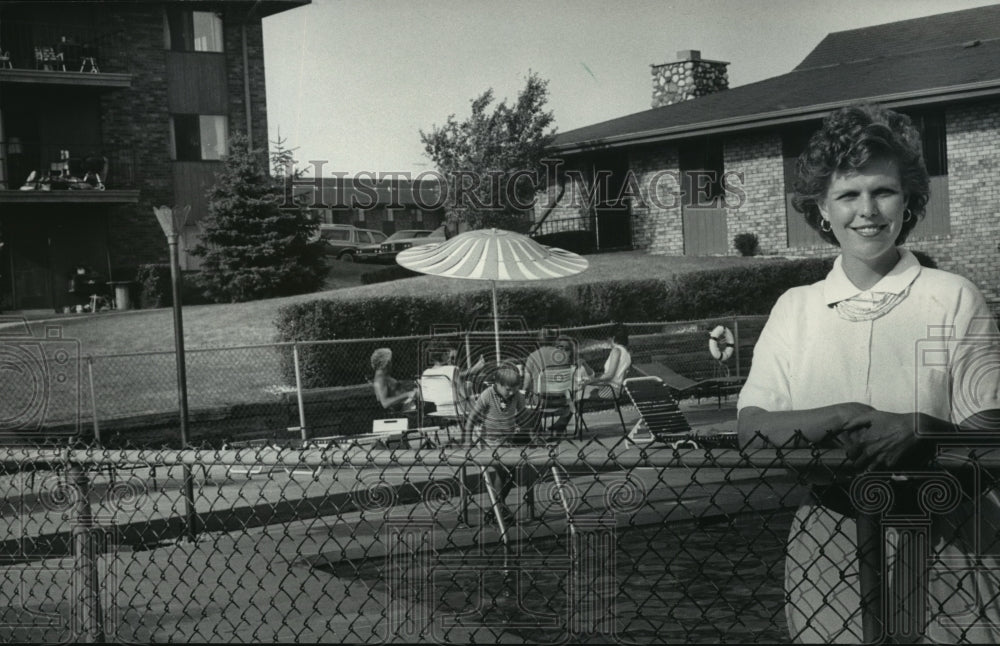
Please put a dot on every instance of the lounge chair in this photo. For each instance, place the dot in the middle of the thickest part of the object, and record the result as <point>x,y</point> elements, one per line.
<point>661,419</point>
<point>683,387</point>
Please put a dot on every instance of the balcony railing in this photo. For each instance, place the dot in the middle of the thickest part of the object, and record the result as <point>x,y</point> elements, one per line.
<point>62,47</point>
<point>60,166</point>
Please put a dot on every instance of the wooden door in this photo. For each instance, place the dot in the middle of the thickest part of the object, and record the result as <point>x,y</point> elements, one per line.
<point>705,231</point>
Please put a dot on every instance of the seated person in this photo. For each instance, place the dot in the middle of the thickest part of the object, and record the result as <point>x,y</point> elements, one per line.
<point>554,354</point>
<point>394,396</point>
<point>608,384</point>
<point>443,384</point>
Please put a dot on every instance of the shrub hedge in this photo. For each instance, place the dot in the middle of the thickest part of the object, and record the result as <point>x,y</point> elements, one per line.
<point>721,292</point>
<point>385,274</point>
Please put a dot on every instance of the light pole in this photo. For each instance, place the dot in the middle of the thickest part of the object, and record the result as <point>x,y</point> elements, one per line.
<point>172,222</point>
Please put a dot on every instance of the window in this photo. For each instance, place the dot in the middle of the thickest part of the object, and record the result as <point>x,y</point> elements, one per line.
<point>932,135</point>
<point>194,31</point>
<point>196,137</point>
<point>335,234</point>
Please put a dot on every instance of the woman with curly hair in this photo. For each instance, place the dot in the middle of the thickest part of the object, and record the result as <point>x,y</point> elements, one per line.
<point>880,358</point>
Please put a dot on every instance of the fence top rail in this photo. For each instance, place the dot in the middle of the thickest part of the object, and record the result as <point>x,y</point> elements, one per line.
<point>593,454</point>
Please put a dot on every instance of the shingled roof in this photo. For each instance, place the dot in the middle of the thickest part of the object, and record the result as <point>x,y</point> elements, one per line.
<point>925,60</point>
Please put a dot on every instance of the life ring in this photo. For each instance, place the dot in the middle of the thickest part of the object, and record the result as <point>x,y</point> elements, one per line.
<point>721,342</point>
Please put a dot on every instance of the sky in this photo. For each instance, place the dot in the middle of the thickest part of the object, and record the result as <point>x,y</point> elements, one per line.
<point>353,82</point>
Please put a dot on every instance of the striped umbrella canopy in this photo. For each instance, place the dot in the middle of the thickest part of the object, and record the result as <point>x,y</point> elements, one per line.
<point>492,254</point>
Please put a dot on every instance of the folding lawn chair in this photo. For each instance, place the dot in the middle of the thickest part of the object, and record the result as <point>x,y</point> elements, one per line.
<point>663,420</point>
<point>449,412</point>
<point>554,387</point>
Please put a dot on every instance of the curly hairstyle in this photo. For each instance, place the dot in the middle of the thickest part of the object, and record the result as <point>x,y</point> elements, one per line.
<point>851,138</point>
<point>381,358</point>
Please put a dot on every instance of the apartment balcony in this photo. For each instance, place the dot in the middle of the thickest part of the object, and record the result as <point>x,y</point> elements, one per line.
<point>42,53</point>
<point>67,172</point>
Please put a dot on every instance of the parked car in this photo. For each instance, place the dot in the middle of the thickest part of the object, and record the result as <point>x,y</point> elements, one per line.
<point>405,239</point>
<point>345,240</point>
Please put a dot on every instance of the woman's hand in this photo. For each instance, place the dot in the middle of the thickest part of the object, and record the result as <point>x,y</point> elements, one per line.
<point>759,428</point>
<point>876,439</point>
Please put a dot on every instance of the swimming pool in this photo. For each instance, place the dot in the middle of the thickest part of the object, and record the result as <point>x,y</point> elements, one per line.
<point>707,581</point>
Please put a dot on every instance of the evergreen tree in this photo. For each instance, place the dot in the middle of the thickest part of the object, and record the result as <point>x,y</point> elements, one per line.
<point>484,158</point>
<point>255,245</point>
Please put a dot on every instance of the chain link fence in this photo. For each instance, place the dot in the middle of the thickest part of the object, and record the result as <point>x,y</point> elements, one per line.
<point>612,542</point>
<point>275,391</point>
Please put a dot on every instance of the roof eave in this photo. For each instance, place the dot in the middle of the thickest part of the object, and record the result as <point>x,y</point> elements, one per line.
<point>778,117</point>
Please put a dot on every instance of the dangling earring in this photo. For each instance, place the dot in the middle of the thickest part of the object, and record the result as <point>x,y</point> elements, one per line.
<point>825,226</point>
<point>907,215</point>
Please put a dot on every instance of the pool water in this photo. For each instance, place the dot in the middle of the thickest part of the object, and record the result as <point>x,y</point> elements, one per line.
<point>691,582</point>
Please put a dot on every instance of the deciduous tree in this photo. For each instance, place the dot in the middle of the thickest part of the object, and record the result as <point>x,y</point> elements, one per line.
<point>491,161</point>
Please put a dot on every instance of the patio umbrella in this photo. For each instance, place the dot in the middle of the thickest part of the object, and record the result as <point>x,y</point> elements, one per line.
<point>492,254</point>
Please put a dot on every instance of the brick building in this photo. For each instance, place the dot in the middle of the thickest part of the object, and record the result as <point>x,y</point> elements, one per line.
<point>707,163</point>
<point>143,94</point>
<point>383,203</point>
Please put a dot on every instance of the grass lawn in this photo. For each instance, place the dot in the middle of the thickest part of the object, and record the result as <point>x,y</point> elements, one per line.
<point>236,324</point>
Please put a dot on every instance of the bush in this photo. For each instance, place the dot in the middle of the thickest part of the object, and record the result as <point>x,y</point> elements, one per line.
<point>154,286</point>
<point>747,244</point>
<point>739,290</point>
<point>155,290</point>
<point>385,274</point>
<point>619,300</point>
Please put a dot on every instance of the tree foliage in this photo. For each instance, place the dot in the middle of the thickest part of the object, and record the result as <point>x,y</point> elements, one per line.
<point>253,245</point>
<point>491,161</point>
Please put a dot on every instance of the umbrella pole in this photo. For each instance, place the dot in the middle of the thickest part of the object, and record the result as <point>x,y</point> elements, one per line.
<point>496,321</point>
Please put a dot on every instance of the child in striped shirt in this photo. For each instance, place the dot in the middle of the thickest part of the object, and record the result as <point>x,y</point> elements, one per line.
<point>498,409</point>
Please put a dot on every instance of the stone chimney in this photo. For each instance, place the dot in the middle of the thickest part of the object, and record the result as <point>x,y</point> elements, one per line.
<point>687,78</point>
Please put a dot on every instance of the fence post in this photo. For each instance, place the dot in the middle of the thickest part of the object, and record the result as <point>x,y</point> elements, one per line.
<point>89,624</point>
<point>93,399</point>
<point>871,561</point>
<point>298,392</point>
<point>736,343</point>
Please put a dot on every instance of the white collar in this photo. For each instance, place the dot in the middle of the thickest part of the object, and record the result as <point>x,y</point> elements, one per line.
<point>838,287</point>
